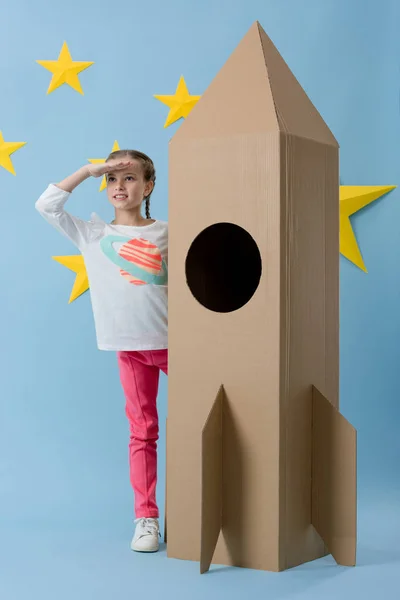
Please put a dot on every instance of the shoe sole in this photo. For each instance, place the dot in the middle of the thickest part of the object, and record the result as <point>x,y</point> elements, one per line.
<point>144,550</point>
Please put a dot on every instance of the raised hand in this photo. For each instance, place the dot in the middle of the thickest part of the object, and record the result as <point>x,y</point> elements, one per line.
<point>107,167</point>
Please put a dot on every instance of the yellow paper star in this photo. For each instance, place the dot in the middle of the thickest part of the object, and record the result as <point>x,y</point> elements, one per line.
<point>98,161</point>
<point>6,149</point>
<point>65,70</point>
<point>352,199</point>
<point>77,265</point>
<point>180,104</point>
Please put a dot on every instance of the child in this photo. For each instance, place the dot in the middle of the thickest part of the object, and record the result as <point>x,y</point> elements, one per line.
<point>126,262</point>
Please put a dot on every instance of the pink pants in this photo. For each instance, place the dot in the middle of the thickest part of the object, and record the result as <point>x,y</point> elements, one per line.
<point>139,373</point>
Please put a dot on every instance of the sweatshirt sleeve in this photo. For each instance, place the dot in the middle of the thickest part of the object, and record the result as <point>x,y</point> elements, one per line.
<point>51,206</point>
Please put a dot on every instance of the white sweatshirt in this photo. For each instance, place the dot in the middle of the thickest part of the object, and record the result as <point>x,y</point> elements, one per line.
<point>127,269</point>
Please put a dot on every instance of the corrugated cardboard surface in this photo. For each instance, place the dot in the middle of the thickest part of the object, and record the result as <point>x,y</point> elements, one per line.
<point>212,457</point>
<point>248,156</point>
<point>295,112</point>
<point>334,490</point>
<point>309,344</point>
<point>239,349</point>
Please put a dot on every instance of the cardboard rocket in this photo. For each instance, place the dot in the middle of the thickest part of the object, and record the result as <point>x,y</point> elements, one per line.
<point>261,465</point>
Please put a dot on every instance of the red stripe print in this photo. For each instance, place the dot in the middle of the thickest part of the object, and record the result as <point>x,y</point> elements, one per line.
<point>141,242</point>
<point>143,254</point>
<point>144,246</point>
<point>134,254</point>
<point>148,266</point>
<point>131,279</point>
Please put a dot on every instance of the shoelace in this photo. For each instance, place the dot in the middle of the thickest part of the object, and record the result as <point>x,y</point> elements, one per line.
<point>148,526</point>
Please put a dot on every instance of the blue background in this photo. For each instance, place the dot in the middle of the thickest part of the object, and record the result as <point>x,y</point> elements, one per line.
<point>65,497</point>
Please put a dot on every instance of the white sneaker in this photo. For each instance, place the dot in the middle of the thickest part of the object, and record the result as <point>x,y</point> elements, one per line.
<point>146,535</point>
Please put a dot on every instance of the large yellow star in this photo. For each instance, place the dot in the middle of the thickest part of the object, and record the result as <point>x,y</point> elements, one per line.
<point>6,149</point>
<point>77,265</point>
<point>65,70</point>
<point>98,161</point>
<point>352,199</point>
<point>180,104</point>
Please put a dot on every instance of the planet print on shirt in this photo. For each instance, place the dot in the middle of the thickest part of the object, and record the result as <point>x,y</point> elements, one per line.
<point>140,261</point>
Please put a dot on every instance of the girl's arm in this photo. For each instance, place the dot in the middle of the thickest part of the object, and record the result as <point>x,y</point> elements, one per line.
<point>51,206</point>
<point>72,181</point>
<point>51,203</point>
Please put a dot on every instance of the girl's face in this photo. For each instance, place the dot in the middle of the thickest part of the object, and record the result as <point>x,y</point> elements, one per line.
<point>127,188</point>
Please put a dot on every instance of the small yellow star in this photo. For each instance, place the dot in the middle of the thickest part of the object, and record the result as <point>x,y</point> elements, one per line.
<point>77,265</point>
<point>180,104</point>
<point>352,199</point>
<point>98,161</point>
<point>6,149</point>
<point>65,70</point>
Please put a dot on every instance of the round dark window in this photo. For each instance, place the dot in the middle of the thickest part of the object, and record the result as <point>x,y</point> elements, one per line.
<point>223,267</point>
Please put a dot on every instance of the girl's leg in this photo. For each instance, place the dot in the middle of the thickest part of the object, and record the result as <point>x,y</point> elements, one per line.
<point>139,377</point>
<point>160,359</point>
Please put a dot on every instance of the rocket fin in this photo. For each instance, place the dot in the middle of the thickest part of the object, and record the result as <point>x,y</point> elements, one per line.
<point>334,480</point>
<point>211,490</point>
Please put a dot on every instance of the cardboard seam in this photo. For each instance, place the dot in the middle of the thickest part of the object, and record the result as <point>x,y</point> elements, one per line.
<point>325,271</point>
<point>287,282</point>
<point>221,491</point>
<point>312,457</point>
<point>281,121</point>
<point>279,118</point>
